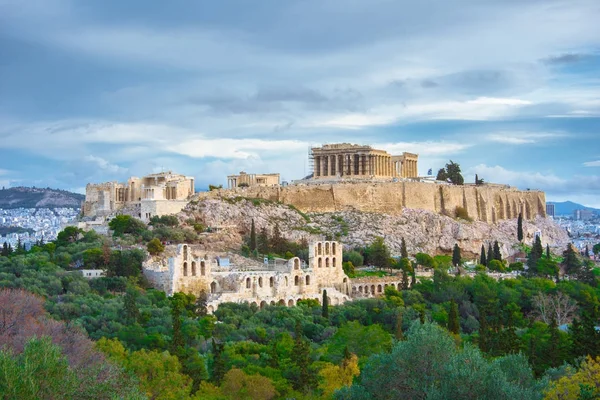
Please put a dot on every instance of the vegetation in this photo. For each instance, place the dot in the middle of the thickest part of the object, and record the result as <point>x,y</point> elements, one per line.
<point>451,173</point>
<point>439,338</point>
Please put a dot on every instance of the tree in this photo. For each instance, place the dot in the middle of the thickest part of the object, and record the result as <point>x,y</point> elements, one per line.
<point>398,333</point>
<point>497,252</point>
<point>577,384</point>
<point>325,308</point>
<point>122,224</point>
<point>305,378</point>
<point>453,319</point>
<point>587,251</point>
<point>354,257</point>
<point>239,385</point>
<point>478,181</point>
<point>218,364</point>
<point>335,377</point>
<point>557,307</point>
<point>155,247</point>
<point>68,235</point>
<point>456,255</point>
<point>490,254</point>
<point>263,241</point>
<point>451,173</point>
<point>253,242</point>
<point>571,262</point>
<point>277,243</point>
<point>520,228</point>
<point>202,304</point>
<point>405,284</point>
<point>482,258</point>
<point>535,255</point>
<point>379,254</point>
<point>130,308</point>
<point>596,249</point>
<point>548,252</point>
<point>403,251</point>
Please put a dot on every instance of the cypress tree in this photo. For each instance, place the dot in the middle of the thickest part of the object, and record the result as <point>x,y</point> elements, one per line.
<point>130,308</point>
<point>325,310</point>
<point>405,284</point>
<point>218,365</point>
<point>306,379</point>
<point>263,240</point>
<point>520,227</point>
<point>482,258</point>
<point>453,321</point>
<point>5,249</point>
<point>403,251</point>
<point>548,251</point>
<point>253,243</point>
<point>177,341</point>
<point>571,262</point>
<point>497,253</point>
<point>536,253</point>
<point>398,328</point>
<point>587,251</point>
<point>456,255</point>
<point>490,254</point>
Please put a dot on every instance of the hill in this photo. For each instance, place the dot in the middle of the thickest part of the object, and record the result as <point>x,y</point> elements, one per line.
<point>568,207</point>
<point>31,197</point>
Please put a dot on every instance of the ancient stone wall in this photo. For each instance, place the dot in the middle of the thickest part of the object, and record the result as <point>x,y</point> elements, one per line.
<point>488,203</point>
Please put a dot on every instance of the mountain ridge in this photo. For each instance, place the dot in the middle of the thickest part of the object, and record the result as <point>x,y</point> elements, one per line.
<point>568,207</point>
<point>32,197</point>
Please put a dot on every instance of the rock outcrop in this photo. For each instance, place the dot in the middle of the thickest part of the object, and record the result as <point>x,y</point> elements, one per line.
<point>424,231</point>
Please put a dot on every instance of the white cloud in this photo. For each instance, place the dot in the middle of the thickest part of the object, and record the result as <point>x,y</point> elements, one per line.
<point>520,179</point>
<point>518,137</point>
<point>592,163</point>
<point>427,148</point>
<point>235,148</point>
<point>104,165</point>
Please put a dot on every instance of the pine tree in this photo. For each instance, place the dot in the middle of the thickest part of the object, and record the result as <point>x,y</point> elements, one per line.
<point>325,309</point>
<point>263,241</point>
<point>453,321</point>
<point>482,258</point>
<point>497,253</point>
<point>536,253</point>
<point>177,311</point>
<point>490,254</point>
<point>201,304</point>
<point>572,263</point>
<point>548,251</point>
<point>587,251</point>
<point>403,251</point>
<point>456,255</point>
<point>306,378</point>
<point>520,227</point>
<point>253,242</point>
<point>277,241</point>
<point>5,250</point>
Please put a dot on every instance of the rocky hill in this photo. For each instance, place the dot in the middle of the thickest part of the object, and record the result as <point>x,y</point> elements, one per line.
<point>26,197</point>
<point>424,231</point>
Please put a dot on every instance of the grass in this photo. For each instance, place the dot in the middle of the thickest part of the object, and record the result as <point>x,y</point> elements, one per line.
<point>361,273</point>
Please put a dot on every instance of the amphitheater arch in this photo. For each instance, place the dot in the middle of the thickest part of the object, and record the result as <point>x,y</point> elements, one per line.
<point>333,248</point>
<point>326,262</point>
<point>185,269</point>
<point>272,302</point>
<point>320,262</point>
<point>281,302</point>
<point>260,281</point>
<point>320,248</point>
<point>193,268</point>
<point>296,263</point>
<point>296,280</point>
<point>327,250</point>
<point>373,289</point>
<point>263,304</point>
<point>210,309</point>
<point>379,289</point>
<point>213,287</point>
<point>366,289</point>
<point>307,280</point>
<point>286,281</point>
<point>202,268</point>
<point>185,252</point>
<point>248,283</point>
<point>290,302</point>
<point>271,282</point>
<point>360,289</point>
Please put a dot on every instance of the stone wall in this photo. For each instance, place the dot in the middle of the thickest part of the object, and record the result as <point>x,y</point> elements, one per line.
<point>487,203</point>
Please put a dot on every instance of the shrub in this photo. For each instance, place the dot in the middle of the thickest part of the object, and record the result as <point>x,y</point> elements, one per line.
<point>155,247</point>
<point>462,213</point>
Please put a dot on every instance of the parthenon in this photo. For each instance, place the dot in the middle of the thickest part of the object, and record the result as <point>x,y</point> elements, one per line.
<point>345,160</point>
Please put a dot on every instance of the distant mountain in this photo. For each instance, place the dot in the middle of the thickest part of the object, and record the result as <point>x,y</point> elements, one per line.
<point>27,197</point>
<point>567,207</point>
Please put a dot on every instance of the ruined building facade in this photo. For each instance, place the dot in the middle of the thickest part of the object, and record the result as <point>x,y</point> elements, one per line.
<point>252,180</point>
<point>192,271</point>
<point>156,194</point>
<point>352,161</point>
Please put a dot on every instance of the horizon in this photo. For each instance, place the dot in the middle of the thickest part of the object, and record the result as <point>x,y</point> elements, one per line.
<point>100,92</point>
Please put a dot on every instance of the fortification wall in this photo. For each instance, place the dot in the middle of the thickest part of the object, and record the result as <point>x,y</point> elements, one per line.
<point>486,203</point>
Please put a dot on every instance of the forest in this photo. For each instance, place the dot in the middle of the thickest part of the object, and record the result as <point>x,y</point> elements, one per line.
<point>451,336</point>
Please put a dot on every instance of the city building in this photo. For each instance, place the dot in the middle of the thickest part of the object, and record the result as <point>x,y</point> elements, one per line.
<point>550,210</point>
<point>351,161</point>
<point>583,215</point>
<point>251,180</point>
<point>152,195</point>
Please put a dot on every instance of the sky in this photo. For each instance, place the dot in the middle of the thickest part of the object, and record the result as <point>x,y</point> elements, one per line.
<point>95,91</point>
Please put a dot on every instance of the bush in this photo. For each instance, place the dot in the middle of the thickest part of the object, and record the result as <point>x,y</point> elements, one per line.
<point>349,269</point>
<point>462,213</point>
<point>122,224</point>
<point>167,220</point>
<point>516,266</point>
<point>155,247</point>
<point>354,257</point>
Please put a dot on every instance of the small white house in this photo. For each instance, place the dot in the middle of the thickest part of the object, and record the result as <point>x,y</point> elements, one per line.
<point>92,273</point>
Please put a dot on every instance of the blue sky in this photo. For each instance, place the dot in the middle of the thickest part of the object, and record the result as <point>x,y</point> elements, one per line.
<point>92,91</point>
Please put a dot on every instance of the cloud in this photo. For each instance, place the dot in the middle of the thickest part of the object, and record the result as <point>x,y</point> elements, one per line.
<point>428,148</point>
<point>518,138</point>
<point>236,148</point>
<point>104,165</point>
<point>568,58</point>
<point>592,163</point>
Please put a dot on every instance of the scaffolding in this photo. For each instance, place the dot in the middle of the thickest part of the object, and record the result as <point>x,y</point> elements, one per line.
<point>311,162</point>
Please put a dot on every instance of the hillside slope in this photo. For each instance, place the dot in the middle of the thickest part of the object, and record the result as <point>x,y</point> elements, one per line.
<point>26,197</point>
<point>424,231</point>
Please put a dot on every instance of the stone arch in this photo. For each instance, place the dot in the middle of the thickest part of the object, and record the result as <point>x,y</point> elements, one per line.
<point>316,253</point>
<point>286,281</point>
<point>327,250</point>
<point>320,249</point>
<point>213,287</point>
<point>373,289</point>
<point>333,248</point>
<point>271,282</point>
<point>307,279</point>
<point>366,289</point>
<point>296,263</point>
<point>379,289</point>
<point>281,302</point>
<point>333,262</point>
<point>272,302</point>
<point>185,252</point>
<point>290,302</point>
<point>210,309</point>
<point>260,281</point>
<point>326,262</point>
<point>345,280</point>
<point>185,271</point>
<point>254,304</point>
<point>202,268</point>
<point>263,304</point>
<point>329,300</point>
<point>248,283</point>
<point>360,289</point>
<point>296,280</point>
<point>193,268</point>
<point>320,262</point>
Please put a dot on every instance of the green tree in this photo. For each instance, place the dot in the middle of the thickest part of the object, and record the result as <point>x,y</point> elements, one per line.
<point>68,235</point>
<point>403,251</point>
<point>218,364</point>
<point>122,224</point>
<point>305,378</point>
<point>130,308</point>
<point>325,308</point>
<point>239,385</point>
<point>490,254</point>
<point>452,173</point>
<point>520,228</point>
<point>482,257</point>
<point>535,254</point>
<point>263,242</point>
<point>379,254</point>
<point>277,243</point>
<point>155,247</point>
<point>253,243</point>
<point>497,252</point>
<point>354,257</point>
<point>571,262</point>
<point>453,318</point>
<point>456,255</point>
